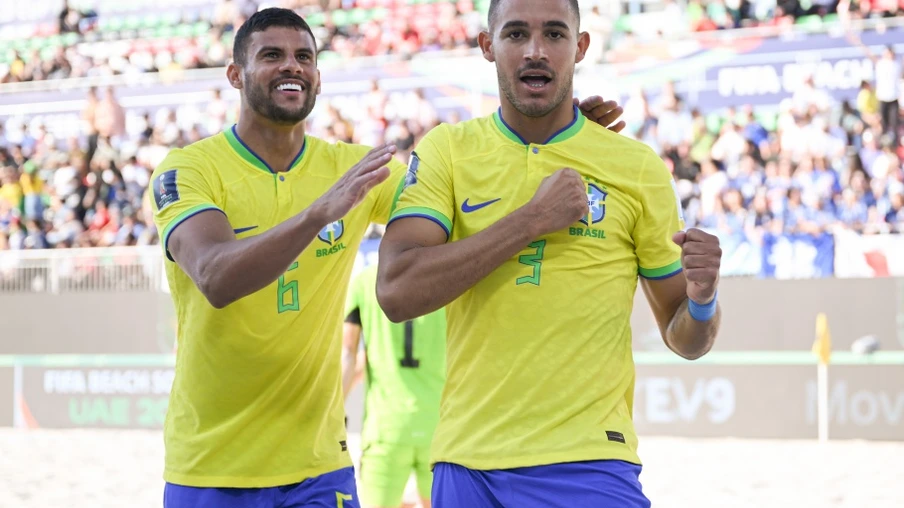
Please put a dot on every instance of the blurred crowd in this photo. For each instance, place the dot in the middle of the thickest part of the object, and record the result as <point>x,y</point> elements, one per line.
<point>649,22</point>
<point>814,166</point>
<point>818,166</point>
<point>703,15</point>
<point>91,190</point>
<point>84,40</point>
<point>87,43</point>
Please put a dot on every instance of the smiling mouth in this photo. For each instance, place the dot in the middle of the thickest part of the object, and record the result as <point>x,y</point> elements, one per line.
<point>292,87</point>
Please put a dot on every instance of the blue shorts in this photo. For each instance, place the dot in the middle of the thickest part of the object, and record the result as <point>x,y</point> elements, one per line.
<point>601,484</point>
<point>331,490</point>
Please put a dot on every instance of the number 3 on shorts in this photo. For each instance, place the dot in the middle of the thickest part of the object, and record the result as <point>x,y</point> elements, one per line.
<point>342,498</point>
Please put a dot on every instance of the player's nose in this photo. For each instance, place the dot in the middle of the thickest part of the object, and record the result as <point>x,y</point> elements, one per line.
<point>290,65</point>
<point>535,49</point>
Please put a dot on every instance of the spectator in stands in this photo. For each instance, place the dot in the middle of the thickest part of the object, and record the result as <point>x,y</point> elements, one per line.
<point>868,104</point>
<point>895,214</point>
<point>600,29</point>
<point>760,217</point>
<point>888,74</point>
<point>110,118</point>
<point>225,15</point>
<point>888,91</point>
<point>32,191</point>
<point>69,19</point>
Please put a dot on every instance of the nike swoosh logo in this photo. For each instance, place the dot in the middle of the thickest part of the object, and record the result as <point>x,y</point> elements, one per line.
<point>467,208</point>
<point>242,230</point>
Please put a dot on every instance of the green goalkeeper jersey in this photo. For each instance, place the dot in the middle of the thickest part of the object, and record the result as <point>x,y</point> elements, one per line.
<point>405,369</point>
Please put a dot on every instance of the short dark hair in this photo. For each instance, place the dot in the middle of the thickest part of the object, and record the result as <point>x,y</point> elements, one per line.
<point>494,8</point>
<point>262,20</point>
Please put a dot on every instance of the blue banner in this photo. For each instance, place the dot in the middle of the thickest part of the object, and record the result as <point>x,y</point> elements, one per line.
<point>798,256</point>
<point>716,73</point>
<point>741,256</point>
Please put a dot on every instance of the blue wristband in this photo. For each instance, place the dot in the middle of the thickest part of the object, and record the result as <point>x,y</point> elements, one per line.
<point>702,312</point>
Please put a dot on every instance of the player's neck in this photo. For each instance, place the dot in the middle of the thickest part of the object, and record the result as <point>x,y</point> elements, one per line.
<point>277,145</point>
<point>538,129</point>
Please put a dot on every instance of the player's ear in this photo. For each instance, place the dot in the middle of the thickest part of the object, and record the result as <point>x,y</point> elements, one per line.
<point>485,41</point>
<point>318,82</point>
<point>234,75</point>
<point>583,44</point>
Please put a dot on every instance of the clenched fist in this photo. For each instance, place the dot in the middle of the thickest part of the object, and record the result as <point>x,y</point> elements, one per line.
<point>561,200</point>
<point>701,258</point>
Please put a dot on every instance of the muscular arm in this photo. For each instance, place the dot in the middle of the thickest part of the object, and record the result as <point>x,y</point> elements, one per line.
<point>857,41</point>
<point>226,269</point>
<point>683,334</point>
<point>420,273</point>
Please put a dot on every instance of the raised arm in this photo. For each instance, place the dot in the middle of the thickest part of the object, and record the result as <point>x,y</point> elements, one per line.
<point>854,38</point>
<point>679,270</point>
<point>226,269</point>
<point>419,272</point>
<point>685,304</point>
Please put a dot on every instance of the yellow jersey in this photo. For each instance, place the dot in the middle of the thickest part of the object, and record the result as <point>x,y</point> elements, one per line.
<point>539,361</point>
<point>257,395</point>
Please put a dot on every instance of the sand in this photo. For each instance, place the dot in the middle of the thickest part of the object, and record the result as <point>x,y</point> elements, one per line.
<point>111,468</point>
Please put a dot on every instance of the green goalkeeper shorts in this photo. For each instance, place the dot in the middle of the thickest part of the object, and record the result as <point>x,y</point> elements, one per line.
<point>386,468</point>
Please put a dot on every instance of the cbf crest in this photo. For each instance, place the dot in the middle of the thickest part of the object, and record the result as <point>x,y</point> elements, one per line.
<point>596,203</point>
<point>332,232</point>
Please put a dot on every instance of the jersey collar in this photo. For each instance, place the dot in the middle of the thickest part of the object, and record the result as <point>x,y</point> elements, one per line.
<point>566,132</point>
<point>254,159</point>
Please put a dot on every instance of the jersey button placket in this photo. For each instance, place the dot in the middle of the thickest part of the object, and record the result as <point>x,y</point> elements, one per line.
<point>533,162</point>
<point>283,188</point>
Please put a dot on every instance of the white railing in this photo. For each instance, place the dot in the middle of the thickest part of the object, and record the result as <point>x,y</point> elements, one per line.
<point>57,271</point>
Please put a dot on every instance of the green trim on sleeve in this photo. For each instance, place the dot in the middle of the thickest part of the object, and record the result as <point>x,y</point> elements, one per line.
<point>182,217</point>
<point>660,273</point>
<point>426,213</point>
<point>398,194</point>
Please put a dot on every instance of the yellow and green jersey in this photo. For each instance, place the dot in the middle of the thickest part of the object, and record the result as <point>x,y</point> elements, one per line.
<point>540,367</point>
<point>406,367</point>
<point>257,397</point>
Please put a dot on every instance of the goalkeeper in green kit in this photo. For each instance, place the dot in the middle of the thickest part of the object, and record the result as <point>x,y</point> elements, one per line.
<point>404,372</point>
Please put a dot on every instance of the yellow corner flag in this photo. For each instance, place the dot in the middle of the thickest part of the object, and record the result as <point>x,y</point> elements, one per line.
<point>822,346</point>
